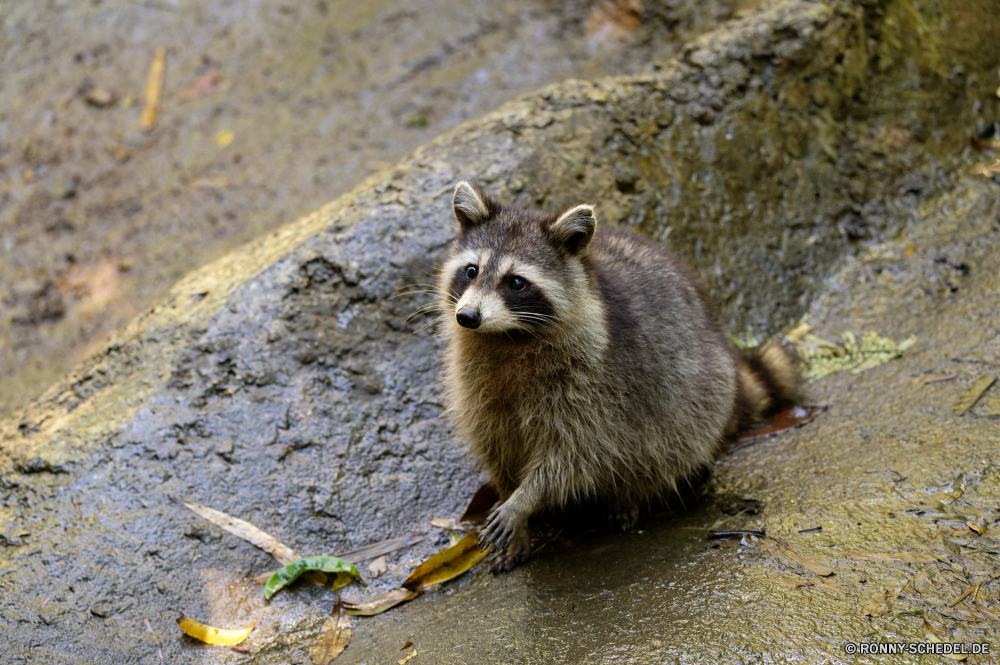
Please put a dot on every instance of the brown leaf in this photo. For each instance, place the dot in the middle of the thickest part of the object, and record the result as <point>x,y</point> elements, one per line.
<point>382,603</point>
<point>795,416</point>
<point>201,86</point>
<point>875,607</point>
<point>406,658</point>
<point>333,638</point>
<point>448,564</point>
<point>378,549</point>
<point>978,525</point>
<point>482,502</point>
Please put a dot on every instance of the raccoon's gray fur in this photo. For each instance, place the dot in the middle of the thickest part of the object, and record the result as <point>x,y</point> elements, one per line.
<point>585,364</point>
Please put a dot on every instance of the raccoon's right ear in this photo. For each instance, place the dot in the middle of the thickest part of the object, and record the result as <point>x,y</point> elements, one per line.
<point>470,207</point>
<point>575,229</point>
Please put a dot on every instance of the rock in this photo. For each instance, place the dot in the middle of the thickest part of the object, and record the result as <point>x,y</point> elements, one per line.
<point>336,454</point>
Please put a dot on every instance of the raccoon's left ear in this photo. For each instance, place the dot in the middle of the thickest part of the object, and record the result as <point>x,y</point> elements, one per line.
<point>575,229</point>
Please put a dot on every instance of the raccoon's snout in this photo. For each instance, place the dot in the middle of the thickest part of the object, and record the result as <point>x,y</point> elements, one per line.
<point>469,318</point>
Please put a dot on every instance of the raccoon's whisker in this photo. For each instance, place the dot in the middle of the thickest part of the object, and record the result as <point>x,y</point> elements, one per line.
<point>424,309</point>
<point>428,325</point>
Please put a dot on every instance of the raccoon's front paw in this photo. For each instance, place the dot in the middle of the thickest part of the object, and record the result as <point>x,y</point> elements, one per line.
<point>516,554</point>
<point>500,528</point>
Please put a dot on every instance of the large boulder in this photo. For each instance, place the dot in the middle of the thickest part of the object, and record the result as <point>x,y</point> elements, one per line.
<point>287,383</point>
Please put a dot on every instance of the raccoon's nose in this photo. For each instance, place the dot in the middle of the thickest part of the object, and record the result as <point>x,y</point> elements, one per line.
<point>468,318</point>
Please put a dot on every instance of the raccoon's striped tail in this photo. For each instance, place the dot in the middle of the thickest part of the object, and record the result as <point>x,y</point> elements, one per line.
<point>767,380</point>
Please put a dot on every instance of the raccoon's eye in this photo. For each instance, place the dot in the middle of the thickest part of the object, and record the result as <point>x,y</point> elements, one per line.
<point>517,284</point>
<point>471,272</point>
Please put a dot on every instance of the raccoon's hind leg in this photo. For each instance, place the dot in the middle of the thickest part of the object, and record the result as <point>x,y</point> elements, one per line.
<point>623,513</point>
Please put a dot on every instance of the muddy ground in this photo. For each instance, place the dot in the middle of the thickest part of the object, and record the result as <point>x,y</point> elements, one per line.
<point>270,109</point>
<point>821,160</point>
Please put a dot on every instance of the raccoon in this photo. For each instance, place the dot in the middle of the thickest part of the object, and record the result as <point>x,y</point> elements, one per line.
<point>586,364</point>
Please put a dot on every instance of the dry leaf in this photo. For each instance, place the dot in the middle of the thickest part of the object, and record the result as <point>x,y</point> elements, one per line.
<point>406,658</point>
<point>248,532</point>
<point>933,636</point>
<point>201,86</point>
<point>377,567</point>
<point>833,586</point>
<point>448,564</point>
<point>978,525</point>
<point>382,603</point>
<point>972,395</point>
<point>154,86</point>
<point>481,504</point>
<point>333,638</point>
<point>378,549</point>
<point>875,607</point>
<point>813,565</point>
<point>210,635</point>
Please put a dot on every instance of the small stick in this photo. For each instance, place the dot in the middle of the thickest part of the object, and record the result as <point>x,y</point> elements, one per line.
<point>714,535</point>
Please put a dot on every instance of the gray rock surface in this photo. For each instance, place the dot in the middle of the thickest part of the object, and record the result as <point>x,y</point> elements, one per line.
<point>285,385</point>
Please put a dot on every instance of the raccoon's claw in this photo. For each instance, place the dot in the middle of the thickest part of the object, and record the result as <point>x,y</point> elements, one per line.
<point>496,531</point>
<point>506,533</point>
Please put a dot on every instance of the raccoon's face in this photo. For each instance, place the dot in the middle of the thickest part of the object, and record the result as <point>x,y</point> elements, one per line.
<point>512,270</point>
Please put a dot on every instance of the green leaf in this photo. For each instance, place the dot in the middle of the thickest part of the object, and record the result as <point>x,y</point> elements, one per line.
<point>327,564</point>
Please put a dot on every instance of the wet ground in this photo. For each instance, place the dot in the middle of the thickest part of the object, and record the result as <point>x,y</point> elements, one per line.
<point>269,110</point>
<point>283,384</point>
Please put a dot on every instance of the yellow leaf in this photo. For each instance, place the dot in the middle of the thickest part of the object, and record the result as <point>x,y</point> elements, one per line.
<point>224,138</point>
<point>448,564</point>
<point>405,659</point>
<point>154,86</point>
<point>210,635</point>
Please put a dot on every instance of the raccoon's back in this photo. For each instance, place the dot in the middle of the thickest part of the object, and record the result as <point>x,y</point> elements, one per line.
<point>666,349</point>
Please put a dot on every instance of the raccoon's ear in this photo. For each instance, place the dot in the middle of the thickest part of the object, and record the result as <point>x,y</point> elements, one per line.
<point>575,229</point>
<point>470,207</point>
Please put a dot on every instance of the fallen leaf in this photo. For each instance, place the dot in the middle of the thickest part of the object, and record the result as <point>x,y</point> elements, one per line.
<point>346,572</point>
<point>224,138</point>
<point>377,567</point>
<point>969,398</point>
<point>978,525</point>
<point>333,638</point>
<point>156,638</point>
<point>927,379</point>
<point>933,637</point>
<point>154,86</point>
<point>985,169</point>
<point>382,603</point>
<point>813,565</point>
<point>451,524</point>
<point>362,553</point>
<point>448,564</point>
<point>99,97</point>
<point>795,582</point>
<point>787,419</point>
<point>481,504</point>
<point>378,549</point>
<point>210,635</point>
<point>857,354</point>
<point>201,86</point>
<point>248,532</point>
<point>833,586</point>
<point>406,646</point>
<point>406,659</point>
<point>875,607</point>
